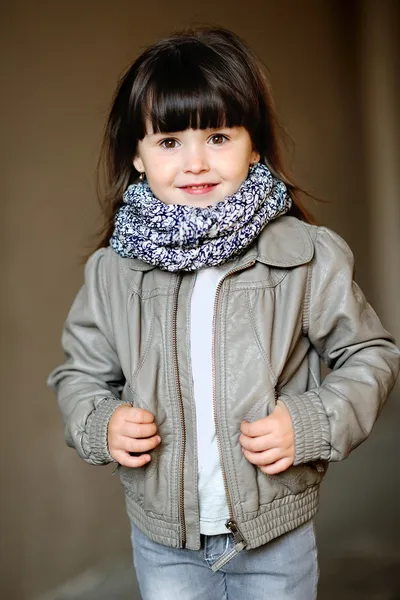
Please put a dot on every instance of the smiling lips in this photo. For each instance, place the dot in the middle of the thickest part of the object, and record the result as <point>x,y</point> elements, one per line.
<point>198,189</point>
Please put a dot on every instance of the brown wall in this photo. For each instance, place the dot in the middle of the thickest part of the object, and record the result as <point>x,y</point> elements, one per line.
<point>60,62</point>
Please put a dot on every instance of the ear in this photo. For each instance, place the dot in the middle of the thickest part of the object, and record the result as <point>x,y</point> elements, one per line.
<point>255,157</point>
<point>138,164</point>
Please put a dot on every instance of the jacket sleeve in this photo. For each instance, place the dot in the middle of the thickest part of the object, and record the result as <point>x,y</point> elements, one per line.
<point>334,418</point>
<point>89,381</point>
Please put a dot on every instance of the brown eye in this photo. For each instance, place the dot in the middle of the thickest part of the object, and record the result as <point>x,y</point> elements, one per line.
<point>218,139</point>
<point>169,144</point>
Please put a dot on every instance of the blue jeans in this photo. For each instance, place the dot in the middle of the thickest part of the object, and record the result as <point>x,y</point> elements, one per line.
<point>284,569</point>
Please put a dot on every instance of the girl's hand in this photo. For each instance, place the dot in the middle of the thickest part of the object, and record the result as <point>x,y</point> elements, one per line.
<point>269,442</point>
<point>132,430</point>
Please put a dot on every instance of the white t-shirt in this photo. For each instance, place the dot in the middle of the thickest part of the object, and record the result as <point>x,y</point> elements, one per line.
<point>212,498</point>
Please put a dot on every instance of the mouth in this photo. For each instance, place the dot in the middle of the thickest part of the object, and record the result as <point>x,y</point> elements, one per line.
<point>197,189</point>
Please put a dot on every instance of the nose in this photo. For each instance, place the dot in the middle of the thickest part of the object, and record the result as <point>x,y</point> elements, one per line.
<point>195,159</point>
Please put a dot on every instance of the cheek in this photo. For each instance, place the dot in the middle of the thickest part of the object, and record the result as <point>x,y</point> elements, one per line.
<point>161,180</point>
<point>236,163</point>
<point>237,170</point>
<point>160,171</point>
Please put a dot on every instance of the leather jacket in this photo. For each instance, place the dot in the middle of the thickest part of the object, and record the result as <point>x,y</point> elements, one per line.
<point>288,301</point>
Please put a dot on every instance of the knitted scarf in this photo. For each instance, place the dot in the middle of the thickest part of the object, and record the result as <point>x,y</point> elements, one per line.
<point>176,237</point>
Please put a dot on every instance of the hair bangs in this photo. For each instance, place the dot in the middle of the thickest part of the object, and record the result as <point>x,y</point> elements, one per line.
<point>190,96</point>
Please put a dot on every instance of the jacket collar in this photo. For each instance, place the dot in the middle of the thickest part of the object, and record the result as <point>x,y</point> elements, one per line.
<point>138,265</point>
<point>283,243</point>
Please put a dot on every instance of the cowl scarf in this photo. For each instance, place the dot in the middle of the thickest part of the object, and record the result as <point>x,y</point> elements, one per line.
<point>176,237</point>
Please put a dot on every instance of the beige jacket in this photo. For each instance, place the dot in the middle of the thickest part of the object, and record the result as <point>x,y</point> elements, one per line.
<point>287,302</point>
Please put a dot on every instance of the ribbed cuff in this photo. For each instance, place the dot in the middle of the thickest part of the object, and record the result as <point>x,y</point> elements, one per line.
<point>97,427</point>
<point>311,427</point>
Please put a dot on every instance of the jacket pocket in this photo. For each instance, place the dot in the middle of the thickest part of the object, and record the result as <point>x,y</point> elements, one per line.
<point>141,483</point>
<point>133,482</point>
<point>151,486</point>
<point>294,480</point>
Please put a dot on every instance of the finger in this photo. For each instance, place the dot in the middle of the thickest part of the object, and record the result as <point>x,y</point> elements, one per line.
<point>256,428</point>
<point>263,458</point>
<point>138,430</point>
<point>124,459</point>
<point>141,445</point>
<point>256,444</point>
<point>139,415</point>
<point>278,467</point>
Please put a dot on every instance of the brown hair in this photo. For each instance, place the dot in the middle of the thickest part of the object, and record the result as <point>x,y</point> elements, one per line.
<point>198,78</point>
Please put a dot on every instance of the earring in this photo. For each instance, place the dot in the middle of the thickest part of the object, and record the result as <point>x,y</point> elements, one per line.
<point>142,176</point>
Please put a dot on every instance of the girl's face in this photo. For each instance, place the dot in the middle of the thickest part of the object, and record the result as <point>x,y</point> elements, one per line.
<point>197,167</point>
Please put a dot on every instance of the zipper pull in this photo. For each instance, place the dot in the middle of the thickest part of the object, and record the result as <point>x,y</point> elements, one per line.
<point>235,531</point>
<point>240,544</point>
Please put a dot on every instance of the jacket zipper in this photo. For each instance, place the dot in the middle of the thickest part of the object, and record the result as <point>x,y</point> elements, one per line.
<point>231,523</point>
<point>182,417</point>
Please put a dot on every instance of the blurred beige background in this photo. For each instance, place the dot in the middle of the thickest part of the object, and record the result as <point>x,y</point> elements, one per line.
<point>334,67</point>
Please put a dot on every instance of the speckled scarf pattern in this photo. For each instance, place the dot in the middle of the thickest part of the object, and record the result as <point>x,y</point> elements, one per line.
<point>175,237</point>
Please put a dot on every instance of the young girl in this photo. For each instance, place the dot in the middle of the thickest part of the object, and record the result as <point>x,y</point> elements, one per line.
<point>193,348</point>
